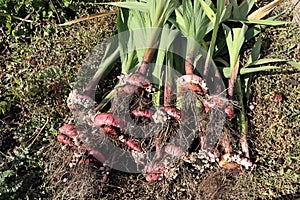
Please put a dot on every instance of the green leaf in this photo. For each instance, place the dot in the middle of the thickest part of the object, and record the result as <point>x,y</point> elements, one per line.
<point>247,79</point>
<point>226,14</point>
<point>160,11</point>
<point>239,38</point>
<point>17,81</point>
<point>255,51</point>
<point>192,21</point>
<point>245,7</point>
<point>208,11</point>
<point>159,62</point>
<point>110,56</point>
<point>265,61</point>
<point>122,19</point>
<point>225,71</point>
<point>260,21</point>
<point>221,60</point>
<point>234,40</point>
<point>166,40</point>
<point>242,117</point>
<point>180,20</point>
<point>257,69</point>
<point>105,100</point>
<point>220,10</point>
<point>256,29</point>
<point>294,64</point>
<point>228,36</point>
<point>236,10</point>
<point>253,31</point>
<point>132,5</point>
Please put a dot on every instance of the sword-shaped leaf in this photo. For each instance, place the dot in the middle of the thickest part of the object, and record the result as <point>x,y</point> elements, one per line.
<point>208,11</point>
<point>260,21</point>
<point>257,69</point>
<point>132,5</point>
<point>265,61</point>
<point>234,39</point>
<point>245,7</point>
<point>255,51</point>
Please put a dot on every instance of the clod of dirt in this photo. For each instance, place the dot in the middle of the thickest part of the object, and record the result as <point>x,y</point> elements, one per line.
<point>277,97</point>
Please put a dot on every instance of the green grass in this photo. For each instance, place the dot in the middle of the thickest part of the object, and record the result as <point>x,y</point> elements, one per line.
<point>36,77</point>
<point>274,138</point>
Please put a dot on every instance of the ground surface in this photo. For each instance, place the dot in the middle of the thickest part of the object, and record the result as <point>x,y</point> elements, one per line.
<point>36,76</point>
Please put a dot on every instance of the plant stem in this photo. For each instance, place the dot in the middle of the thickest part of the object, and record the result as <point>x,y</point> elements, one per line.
<point>129,63</point>
<point>189,68</point>
<point>168,84</point>
<point>190,57</point>
<point>162,10</point>
<point>243,122</point>
<point>106,63</point>
<point>106,99</point>
<point>146,59</point>
<point>233,78</point>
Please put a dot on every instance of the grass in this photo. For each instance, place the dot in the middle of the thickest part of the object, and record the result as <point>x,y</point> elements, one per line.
<point>274,138</point>
<point>37,77</point>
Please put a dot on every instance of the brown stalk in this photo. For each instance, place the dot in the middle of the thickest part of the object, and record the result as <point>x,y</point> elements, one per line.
<point>232,79</point>
<point>89,17</point>
<point>146,59</point>
<point>188,64</point>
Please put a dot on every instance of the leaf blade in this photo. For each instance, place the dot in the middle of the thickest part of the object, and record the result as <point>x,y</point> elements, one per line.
<point>261,21</point>
<point>208,11</point>
<point>266,61</point>
<point>131,5</point>
<point>255,51</point>
<point>257,69</point>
